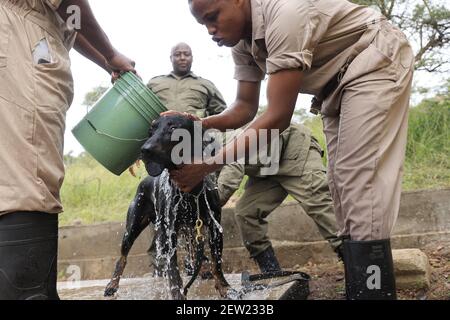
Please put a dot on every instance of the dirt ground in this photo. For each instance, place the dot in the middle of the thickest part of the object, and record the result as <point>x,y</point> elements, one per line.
<point>327,281</point>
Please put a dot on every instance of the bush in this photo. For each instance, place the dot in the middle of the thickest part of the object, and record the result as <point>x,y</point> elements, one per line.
<point>92,194</point>
<point>427,162</point>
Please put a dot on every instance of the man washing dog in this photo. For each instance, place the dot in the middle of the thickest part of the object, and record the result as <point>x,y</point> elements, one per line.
<point>359,67</point>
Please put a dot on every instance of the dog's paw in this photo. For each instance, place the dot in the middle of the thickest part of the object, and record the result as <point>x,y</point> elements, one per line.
<point>223,290</point>
<point>177,295</point>
<point>233,294</point>
<point>110,290</point>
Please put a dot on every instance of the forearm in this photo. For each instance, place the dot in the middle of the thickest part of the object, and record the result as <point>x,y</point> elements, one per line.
<point>282,92</point>
<point>240,149</point>
<point>88,51</point>
<point>90,29</point>
<point>234,117</point>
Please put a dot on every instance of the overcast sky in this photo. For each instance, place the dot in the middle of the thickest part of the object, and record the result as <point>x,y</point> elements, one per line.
<point>146,31</point>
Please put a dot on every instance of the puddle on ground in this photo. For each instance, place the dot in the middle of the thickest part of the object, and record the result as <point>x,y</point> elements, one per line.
<point>154,288</point>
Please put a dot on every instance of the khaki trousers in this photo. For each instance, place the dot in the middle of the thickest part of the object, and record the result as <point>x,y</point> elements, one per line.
<point>263,195</point>
<point>367,140</point>
<point>34,98</point>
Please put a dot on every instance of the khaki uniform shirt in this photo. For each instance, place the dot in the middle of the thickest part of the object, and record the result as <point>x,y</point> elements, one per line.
<point>315,36</point>
<point>190,94</point>
<point>36,89</point>
<point>295,143</point>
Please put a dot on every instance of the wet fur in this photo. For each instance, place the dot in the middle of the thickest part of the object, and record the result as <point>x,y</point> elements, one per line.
<point>150,203</point>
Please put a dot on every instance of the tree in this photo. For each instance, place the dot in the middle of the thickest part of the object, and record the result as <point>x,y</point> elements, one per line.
<point>426,23</point>
<point>92,96</point>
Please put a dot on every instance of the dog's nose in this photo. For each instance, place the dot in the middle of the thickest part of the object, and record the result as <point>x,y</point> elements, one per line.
<point>150,149</point>
<point>146,150</point>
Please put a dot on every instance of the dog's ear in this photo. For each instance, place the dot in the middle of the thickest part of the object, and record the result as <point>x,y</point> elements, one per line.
<point>154,169</point>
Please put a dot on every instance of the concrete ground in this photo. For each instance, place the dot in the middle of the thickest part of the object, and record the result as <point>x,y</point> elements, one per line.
<point>151,288</point>
<point>90,252</point>
<point>327,283</point>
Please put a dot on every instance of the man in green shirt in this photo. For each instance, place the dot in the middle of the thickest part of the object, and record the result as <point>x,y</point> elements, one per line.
<point>301,174</point>
<point>183,91</point>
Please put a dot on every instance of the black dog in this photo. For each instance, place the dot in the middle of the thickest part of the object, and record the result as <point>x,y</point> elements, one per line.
<point>160,202</point>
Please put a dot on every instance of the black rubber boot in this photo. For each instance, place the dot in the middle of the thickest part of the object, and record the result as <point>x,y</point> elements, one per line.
<point>369,270</point>
<point>28,256</point>
<point>267,261</point>
<point>339,250</point>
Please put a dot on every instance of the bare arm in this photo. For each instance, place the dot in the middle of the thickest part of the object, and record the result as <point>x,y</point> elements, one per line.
<point>88,51</point>
<point>282,92</point>
<point>95,36</point>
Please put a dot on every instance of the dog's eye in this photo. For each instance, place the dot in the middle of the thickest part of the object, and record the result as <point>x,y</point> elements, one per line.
<point>172,129</point>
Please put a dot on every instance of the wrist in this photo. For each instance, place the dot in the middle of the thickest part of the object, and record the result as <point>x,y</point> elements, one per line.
<point>110,54</point>
<point>206,123</point>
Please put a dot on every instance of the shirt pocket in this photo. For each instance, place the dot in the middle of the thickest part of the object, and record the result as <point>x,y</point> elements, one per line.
<point>53,77</point>
<point>291,150</point>
<point>159,88</point>
<point>197,97</point>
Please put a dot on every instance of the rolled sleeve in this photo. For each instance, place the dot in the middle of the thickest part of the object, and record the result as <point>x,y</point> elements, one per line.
<point>289,60</point>
<point>246,68</point>
<point>292,32</point>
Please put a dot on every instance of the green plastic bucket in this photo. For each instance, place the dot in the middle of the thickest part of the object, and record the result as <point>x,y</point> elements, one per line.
<point>114,131</point>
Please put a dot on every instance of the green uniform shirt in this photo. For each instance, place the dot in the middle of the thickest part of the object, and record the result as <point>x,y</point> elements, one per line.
<point>295,143</point>
<point>190,93</point>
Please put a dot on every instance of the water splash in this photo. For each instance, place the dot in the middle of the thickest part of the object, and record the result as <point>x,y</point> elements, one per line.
<point>175,201</point>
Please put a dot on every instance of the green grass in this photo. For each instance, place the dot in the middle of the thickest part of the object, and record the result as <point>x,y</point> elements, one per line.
<point>91,194</point>
<point>427,164</point>
<point>428,150</point>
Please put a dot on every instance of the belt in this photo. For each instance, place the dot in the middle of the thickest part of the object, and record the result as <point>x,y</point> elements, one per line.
<point>363,42</point>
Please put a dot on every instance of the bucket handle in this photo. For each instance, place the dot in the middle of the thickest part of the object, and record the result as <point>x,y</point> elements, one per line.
<point>113,137</point>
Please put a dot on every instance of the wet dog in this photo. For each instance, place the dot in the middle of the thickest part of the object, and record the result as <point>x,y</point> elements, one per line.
<point>158,201</point>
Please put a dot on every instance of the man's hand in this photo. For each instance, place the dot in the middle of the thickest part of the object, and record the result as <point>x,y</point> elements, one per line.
<point>188,176</point>
<point>120,64</point>
<point>94,43</point>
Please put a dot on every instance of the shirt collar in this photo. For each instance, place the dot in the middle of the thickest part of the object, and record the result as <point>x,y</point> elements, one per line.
<point>258,27</point>
<point>190,74</point>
